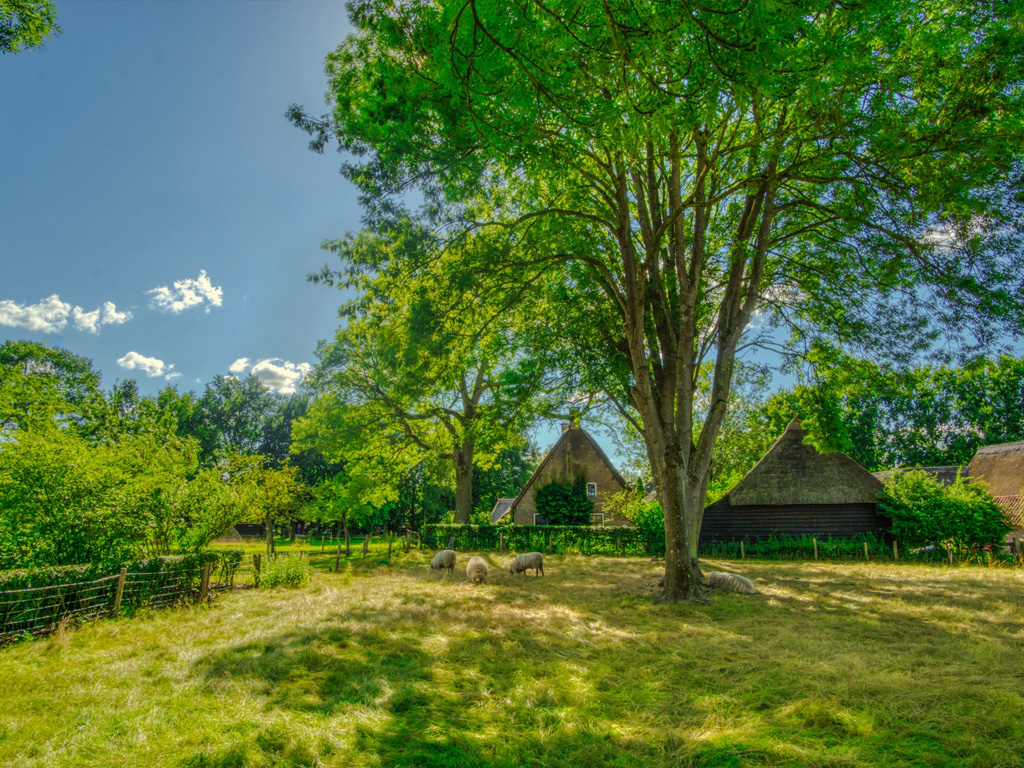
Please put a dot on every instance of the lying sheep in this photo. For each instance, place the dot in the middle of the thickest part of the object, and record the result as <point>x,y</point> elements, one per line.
<point>444,560</point>
<point>731,582</point>
<point>477,570</point>
<point>527,560</point>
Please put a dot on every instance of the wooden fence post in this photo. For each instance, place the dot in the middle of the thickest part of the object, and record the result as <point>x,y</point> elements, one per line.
<point>895,552</point>
<point>390,537</point>
<point>256,561</point>
<point>950,551</point>
<point>866,551</point>
<point>547,547</point>
<point>451,543</point>
<point>337,559</point>
<point>119,592</point>
<point>815,541</point>
<point>204,582</point>
<point>501,541</point>
<point>1016,549</point>
<point>366,546</point>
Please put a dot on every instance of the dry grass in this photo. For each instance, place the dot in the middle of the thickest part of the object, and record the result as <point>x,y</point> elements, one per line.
<point>830,665</point>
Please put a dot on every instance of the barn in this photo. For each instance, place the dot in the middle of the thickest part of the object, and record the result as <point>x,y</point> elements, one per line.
<point>1001,468</point>
<point>794,490</point>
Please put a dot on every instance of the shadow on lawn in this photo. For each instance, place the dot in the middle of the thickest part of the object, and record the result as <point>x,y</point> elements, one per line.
<point>580,668</point>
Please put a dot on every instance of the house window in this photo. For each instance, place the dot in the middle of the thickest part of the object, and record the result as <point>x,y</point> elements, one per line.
<point>539,519</point>
<point>591,490</point>
<point>597,519</point>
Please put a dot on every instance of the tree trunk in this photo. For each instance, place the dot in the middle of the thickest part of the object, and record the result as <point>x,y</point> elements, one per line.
<point>463,483</point>
<point>268,525</point>
<point>348,549</point>
<point>682,571</point>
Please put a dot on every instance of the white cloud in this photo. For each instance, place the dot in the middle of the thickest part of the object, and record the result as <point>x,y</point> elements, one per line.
<point>239,365</point>
<point>187,293</point>
<point>150,366</point>
<point>279,375</point>
<point>51,315</point>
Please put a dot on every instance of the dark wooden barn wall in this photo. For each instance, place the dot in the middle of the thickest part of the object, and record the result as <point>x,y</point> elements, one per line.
<point>725,523</point>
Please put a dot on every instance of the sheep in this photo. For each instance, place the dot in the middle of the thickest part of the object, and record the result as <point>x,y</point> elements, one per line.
<point>443,560</point>
<point>731,582</point>
<point>527,560</point>
<point>477,570</point>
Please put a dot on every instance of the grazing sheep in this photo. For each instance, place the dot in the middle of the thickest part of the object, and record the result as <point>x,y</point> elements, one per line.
<point>731,582</point>
<point>527,560</point>
<point>477,570</point>
<point>444,560</point>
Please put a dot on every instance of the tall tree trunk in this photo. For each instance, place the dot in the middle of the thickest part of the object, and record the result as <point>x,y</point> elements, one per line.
<point>463,482</point>
<point>682,573</point>
<point>348,549</point>
<point>268,525</point>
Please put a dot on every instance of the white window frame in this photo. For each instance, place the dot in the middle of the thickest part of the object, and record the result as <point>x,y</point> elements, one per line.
<point>589,494</point>
<point>535,516</point>
<point>597,514</point>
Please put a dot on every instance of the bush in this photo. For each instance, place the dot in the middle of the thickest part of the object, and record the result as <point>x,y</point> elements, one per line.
<point>286,572</point>
<point>926,513</point>
<point>562,502</point>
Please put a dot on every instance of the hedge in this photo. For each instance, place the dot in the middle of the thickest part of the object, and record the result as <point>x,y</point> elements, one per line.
<point>224,561</point>
<point>578,539</point>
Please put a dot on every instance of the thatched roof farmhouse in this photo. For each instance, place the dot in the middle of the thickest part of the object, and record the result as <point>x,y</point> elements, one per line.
<point>573,452</point>
<point>794,490</point>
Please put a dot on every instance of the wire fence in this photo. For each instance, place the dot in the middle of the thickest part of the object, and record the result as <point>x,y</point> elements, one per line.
<point>41,610</point>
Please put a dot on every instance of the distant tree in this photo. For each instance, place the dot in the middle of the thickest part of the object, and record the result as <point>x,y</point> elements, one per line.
<point>44,386</point>
<point>26,23</point>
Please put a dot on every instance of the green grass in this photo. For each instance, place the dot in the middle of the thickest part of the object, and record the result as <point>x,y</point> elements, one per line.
<point>829,665</point>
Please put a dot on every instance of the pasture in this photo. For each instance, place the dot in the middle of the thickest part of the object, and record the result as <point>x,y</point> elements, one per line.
<point>394,665</point>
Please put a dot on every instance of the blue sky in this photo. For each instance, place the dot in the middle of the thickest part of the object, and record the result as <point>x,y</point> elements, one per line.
<point>152,184</point>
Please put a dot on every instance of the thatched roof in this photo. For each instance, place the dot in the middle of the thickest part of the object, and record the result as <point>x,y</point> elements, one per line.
<point>793,472</point>
<point>944,475</point>
<point>1001,467</point>
<point>501,508</point>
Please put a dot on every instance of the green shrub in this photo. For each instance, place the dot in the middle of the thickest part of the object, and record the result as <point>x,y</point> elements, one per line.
<point>926,513</point>
<point>562,502</point>
<point>286,572</point>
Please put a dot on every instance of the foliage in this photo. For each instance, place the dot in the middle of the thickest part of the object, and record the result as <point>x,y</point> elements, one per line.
<point>45,387</point>
<point>926,513</point>
<point>565,502</point>
<point>26,24</point>
<point>289,572</point>
<point>419,371</point>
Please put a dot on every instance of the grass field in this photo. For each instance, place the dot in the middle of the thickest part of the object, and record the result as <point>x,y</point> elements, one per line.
<point>830,665</point>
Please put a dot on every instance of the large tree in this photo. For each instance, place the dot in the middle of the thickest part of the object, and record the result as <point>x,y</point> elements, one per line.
<point>847,168</point>
<point>419,369</point>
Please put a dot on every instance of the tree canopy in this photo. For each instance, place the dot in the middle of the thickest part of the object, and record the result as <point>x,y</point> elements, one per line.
<point>848,170</point>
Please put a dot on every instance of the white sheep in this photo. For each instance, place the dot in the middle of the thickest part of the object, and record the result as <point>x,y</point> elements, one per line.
<point>731,582</point>
<point>527,560</point>
<point>477,570</point>
<point>444,560</point>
